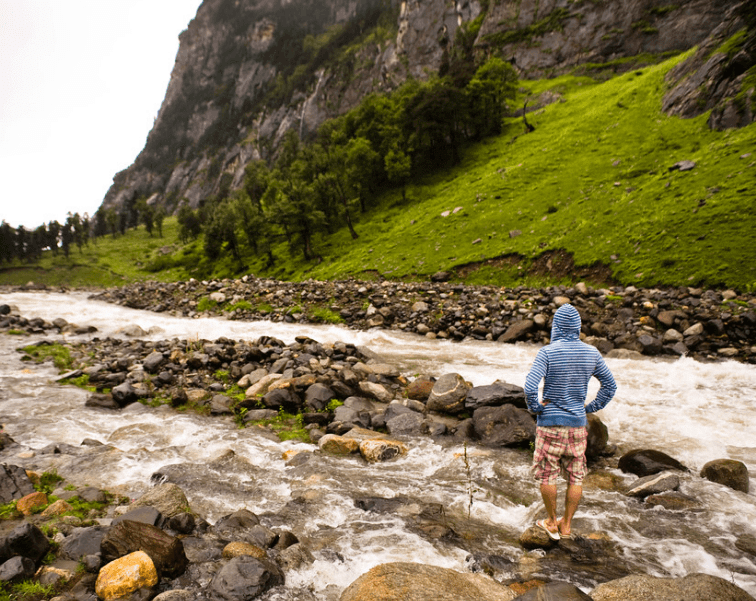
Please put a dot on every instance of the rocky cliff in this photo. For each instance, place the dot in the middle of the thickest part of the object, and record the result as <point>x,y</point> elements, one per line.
<point>248,71</point>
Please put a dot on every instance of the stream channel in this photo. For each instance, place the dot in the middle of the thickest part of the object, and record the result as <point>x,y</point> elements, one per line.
<point>693,411</point>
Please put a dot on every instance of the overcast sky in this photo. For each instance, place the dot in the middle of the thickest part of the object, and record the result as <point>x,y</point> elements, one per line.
<point>81,82</point>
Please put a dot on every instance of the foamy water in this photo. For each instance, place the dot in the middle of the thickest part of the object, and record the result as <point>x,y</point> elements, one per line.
<point>695,412</point>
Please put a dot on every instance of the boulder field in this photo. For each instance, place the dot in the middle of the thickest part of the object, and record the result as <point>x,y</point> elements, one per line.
<point>619,321</point>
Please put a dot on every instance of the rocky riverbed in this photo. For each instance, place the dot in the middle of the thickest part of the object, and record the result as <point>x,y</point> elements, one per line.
<point>705,324</point>
<point>350,404</point>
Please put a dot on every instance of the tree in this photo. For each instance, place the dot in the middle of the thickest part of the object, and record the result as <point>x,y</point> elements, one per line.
<point>7,242</point>
<point>220,230</point>
<point>159,218</point>
<point>398,166</point>
<point>146,214</point>
<point>53,235</point>
<point>494,83</point>
<point>66,236</point>
<point>190,226</point>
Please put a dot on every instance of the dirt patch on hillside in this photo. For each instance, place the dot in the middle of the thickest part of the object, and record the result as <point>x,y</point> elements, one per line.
<point>557,264</point>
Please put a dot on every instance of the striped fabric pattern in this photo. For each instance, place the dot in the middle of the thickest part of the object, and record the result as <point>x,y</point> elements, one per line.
<point>567,365</point>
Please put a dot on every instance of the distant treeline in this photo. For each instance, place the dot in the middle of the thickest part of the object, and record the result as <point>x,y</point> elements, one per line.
<point>321,186</point>
<point>317,187</point>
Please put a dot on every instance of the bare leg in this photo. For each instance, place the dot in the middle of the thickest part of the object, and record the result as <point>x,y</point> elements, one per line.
<point>571,502</point>
<point>549,495</point>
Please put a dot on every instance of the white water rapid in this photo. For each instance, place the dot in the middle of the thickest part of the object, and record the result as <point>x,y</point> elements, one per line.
<point>692,411</point>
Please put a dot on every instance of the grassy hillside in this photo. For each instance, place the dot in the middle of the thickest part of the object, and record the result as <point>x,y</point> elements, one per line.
<point>592,181</point>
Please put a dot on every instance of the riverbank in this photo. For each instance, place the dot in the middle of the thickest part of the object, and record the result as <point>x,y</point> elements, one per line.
<point>708,325</point>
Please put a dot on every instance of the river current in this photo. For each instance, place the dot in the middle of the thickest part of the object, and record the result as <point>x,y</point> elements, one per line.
<point>692,411</point>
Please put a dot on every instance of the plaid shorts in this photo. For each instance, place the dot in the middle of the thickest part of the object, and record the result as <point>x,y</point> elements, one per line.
<point>560,449</point>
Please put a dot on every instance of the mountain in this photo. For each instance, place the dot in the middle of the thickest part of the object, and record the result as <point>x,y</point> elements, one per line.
<point>249,71</point>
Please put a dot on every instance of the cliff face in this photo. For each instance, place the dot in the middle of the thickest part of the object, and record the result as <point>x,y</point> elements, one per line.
<point>247,71</point>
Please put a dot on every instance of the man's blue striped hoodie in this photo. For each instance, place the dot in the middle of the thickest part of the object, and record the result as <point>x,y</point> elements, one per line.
<point>567,364</point>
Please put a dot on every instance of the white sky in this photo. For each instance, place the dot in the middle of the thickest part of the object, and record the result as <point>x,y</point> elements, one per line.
<point>81,82</point>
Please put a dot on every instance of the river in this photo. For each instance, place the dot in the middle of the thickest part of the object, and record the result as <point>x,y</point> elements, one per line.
<point>692,411</point>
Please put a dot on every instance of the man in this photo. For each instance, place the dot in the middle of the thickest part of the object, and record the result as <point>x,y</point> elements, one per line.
<point>566,364</point>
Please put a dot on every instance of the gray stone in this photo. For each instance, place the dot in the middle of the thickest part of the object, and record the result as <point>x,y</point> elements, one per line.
<point>409,424</point>
<point>729,472</point>
<point>517,331</point>
<point>645,462</point>
<point>246,577</point>
<point>318,396</point>
<point>503,426</point>
<point>494,395</point>
<point>702,587</point>
<point>166,551</point>
<point>16,569</point>
<point>167,498</point>
<point>153,361</point>
<point>653,485</point>
<point>14,483</point>
<point>448,394</point>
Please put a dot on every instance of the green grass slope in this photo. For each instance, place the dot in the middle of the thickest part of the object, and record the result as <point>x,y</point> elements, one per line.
<point>592,179</point>
<point>593,182</point>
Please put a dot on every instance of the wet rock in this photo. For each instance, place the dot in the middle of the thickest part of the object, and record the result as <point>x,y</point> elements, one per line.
<point>494,395</point>
<point>692,586</point>
<point>233,526</point>
<point>16,569</point>
<point>645,462</point>
<point>555,591</point>
<point>653,485</point>
<point>124,394</point>
<point>237,549</point>
<point>176,595</point>
<point>152,362</point>
<point>246,578</point>
<point>517,331</point>
<point>376,451</point>
<point>318,396</point>
<point>125,576</point>
<point>183,523</point>
<point>729,472</point>
<point>448,394</point>
<point>338,445</point>
<point>14,483</point>
<point>376,391</point>
<point>294,557</point>
<point>536,538</point>
<point>407,424</point>
<point>31,502</point>
<point>674,501</point>
<point>503,426</point>
<point>166,551</point>
<point>598,437</point>
<point>82,542</point>
<point>420,388</point>
<point>167,498</point>
<point>59,507</point>
<point>144,514</point>
<point>419,582</point>
<point>26,540</point>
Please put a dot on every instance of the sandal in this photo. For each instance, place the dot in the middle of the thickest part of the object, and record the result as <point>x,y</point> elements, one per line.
<point>552,535</point>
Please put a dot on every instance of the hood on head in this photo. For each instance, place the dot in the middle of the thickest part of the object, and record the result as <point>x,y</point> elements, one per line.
<point>566,324</point>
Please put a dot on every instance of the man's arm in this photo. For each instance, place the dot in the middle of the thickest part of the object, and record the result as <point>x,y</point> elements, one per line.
<point>608,387</point>
<point>536,374</point>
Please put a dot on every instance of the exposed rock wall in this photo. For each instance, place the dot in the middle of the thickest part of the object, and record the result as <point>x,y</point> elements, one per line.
<point>221,110</point>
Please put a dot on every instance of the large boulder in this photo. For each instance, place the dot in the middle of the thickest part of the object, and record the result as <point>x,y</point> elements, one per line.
<point>419,582</point>
<point>246,577</point>
<point>554,591</point>
<point>82,542</point>
<point>126,575</point>
<point>448,394</point>
<point>25,540</point>
<point>167,498</point>
<point>166,551</point>
<point>14,483</point>
<point>729,472</point>
<point>598,437</point>
<point>503,426</point>
<point>645,462</point>
<point>702,587</point>
<point>494,395</point>
<point>654,485</point>
<point>517,331</point>
<point>318,396</point>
